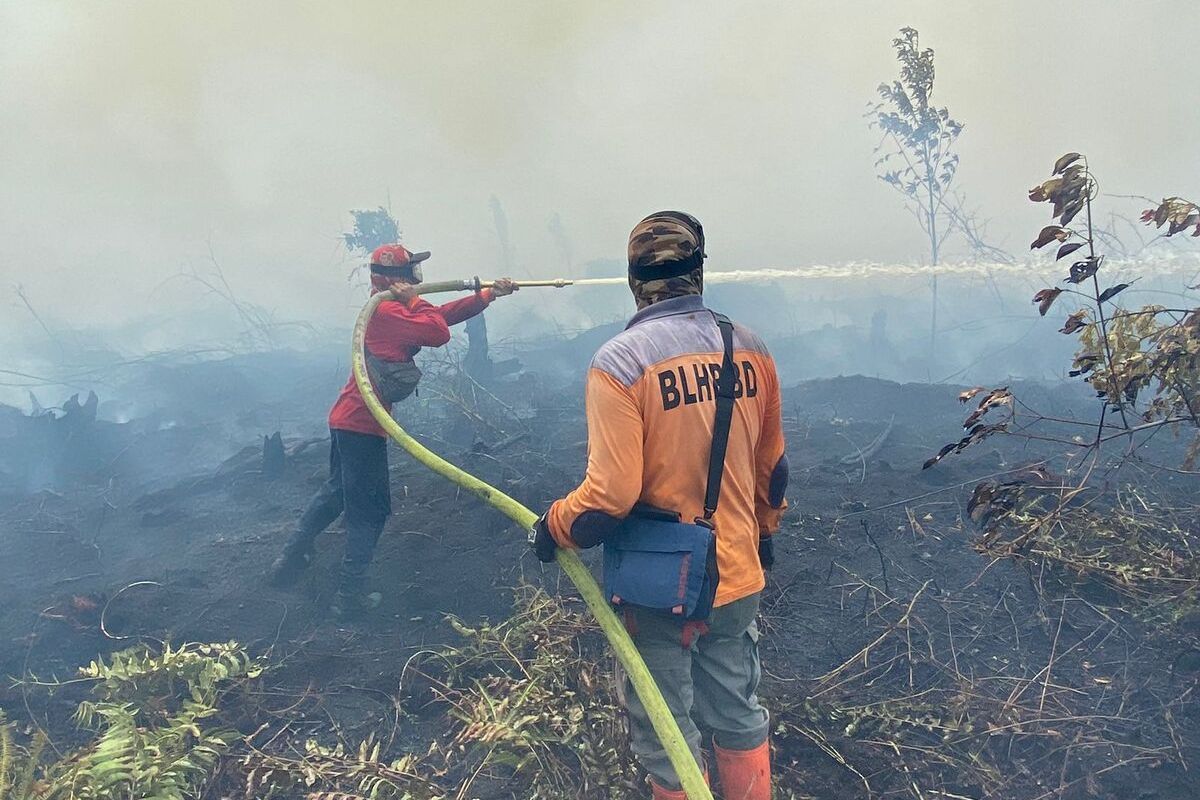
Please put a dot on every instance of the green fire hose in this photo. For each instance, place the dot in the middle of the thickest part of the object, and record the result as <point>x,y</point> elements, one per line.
<point>656,707</point>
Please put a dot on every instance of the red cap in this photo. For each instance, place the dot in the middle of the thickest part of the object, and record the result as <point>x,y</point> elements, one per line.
<point>396,255</point>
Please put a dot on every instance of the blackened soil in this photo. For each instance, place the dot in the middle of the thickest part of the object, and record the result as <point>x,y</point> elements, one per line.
<point>98,567</point>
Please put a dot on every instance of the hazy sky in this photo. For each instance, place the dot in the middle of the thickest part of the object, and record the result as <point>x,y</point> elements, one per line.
<point>134,136</point>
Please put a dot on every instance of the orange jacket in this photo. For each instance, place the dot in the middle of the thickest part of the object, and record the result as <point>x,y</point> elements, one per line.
<point>650,412</point>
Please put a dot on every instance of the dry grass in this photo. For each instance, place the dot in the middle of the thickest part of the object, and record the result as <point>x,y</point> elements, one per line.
<point>529,711</point>
<point>1065,687</point>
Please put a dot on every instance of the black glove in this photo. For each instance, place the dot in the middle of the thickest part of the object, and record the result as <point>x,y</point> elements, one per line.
<point>766,552</point>
<point>542,541</point>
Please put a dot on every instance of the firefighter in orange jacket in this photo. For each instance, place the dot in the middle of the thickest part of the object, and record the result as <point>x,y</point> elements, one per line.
<point>358,486</point>
<point>650,412</point>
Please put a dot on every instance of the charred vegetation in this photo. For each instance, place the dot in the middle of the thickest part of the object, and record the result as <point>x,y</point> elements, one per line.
<point>1010,611</point>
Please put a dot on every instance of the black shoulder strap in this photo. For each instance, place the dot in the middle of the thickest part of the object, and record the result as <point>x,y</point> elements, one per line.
<point>724,418</point>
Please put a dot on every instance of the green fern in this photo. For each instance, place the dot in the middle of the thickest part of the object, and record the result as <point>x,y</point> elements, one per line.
<point>18,766</point>
<point>154,718</point>
<point>138,674</point>
<point>23,787</point>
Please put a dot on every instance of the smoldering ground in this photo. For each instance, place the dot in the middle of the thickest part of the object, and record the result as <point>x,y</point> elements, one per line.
<point>1018,621</point>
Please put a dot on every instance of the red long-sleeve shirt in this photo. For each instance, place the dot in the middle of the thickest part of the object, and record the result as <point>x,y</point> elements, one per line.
<point>396,333</point>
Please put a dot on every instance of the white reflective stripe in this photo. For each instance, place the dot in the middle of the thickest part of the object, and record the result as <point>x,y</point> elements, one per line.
<point>651,341</point>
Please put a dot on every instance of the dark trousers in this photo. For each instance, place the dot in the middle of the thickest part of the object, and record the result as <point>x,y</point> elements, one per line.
<point>358,487</point>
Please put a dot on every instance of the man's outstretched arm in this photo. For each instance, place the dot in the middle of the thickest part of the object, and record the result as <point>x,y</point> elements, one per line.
<point>613,483</point>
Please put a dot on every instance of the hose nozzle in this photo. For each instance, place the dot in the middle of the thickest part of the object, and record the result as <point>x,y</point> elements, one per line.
<point>477,284</point>
<point>556,283</point>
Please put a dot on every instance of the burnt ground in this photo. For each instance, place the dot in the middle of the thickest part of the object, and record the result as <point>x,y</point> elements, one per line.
<point>97,565</point>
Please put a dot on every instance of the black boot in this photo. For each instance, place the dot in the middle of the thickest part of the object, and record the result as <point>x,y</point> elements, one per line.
<point>290,565</point>
<point>352,600</point>
<point>348,606</point>
<point>322,510</point>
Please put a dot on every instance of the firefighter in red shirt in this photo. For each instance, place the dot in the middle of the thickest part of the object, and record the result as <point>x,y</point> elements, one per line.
<point>358,487</point>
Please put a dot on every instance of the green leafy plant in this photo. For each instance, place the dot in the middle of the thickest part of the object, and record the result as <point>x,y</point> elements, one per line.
<point>153,714</point>
<point>19,765</point>
<point>920,162</point>
<point>372,228</point>
<point>916,157</point>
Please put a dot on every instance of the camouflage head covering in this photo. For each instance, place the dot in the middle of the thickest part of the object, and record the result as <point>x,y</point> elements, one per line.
<point>666,257</point>
<point>647,293</point>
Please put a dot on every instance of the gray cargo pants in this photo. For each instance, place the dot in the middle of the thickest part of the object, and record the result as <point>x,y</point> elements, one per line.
<point>710,685</point>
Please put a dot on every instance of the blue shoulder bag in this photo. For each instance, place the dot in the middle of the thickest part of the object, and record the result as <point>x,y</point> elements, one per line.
<point>657,562</point>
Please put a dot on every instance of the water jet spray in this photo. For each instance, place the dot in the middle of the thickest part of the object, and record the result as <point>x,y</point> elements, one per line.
<point>850,271</point>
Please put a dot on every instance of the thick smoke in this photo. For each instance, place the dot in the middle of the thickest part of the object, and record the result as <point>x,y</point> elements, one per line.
<point>142,143</point>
